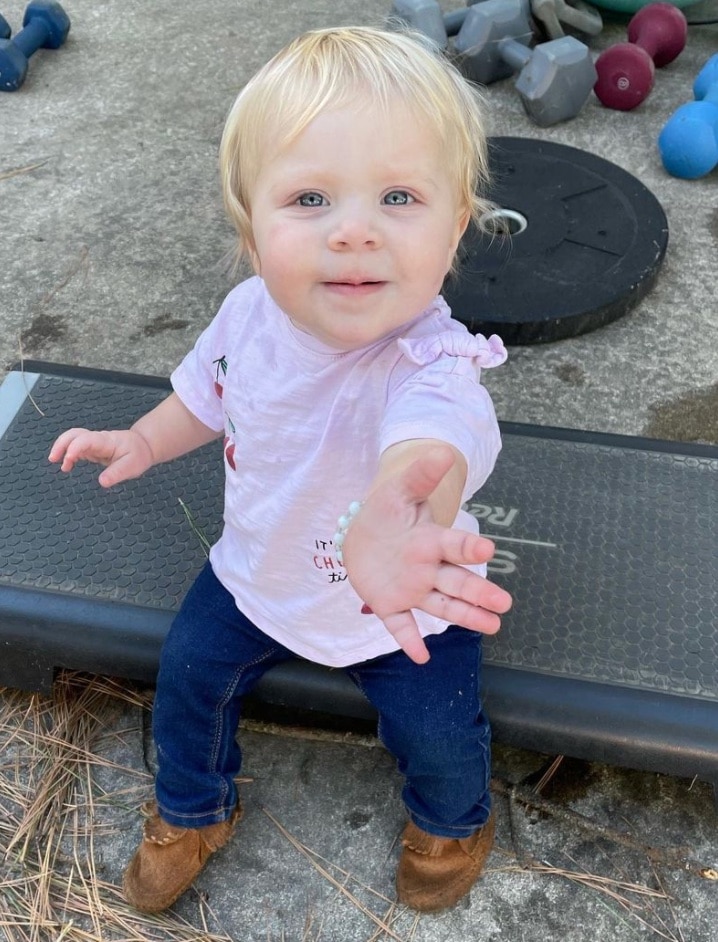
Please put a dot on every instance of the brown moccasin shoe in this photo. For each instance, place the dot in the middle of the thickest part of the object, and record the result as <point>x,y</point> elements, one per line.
<point>169,858</point>
<point>435,872</point>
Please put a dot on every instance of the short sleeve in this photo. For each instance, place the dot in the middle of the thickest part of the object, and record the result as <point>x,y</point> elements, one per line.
<point>199,379</point>
<point>442,398</point>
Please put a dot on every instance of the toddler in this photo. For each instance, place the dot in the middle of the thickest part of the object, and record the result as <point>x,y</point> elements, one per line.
<point>340,385</point>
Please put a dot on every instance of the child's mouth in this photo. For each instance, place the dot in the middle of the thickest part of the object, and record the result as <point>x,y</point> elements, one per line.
<point>350,288</point>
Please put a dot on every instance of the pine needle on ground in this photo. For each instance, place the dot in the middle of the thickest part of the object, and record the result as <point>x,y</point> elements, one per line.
<point>51,886</point>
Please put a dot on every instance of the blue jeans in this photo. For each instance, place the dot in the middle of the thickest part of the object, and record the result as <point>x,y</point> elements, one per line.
<point>430,716</point>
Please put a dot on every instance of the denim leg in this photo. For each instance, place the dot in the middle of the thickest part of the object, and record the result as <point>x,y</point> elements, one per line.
<point>211,657</point>
<point>431,720</point>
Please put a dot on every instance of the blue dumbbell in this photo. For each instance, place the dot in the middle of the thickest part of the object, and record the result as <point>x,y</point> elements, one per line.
<point>45,26</point>
<point>688,143</point>
<point>5,30</point>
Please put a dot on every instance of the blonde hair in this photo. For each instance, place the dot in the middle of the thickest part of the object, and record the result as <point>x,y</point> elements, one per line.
<point>331,68</point>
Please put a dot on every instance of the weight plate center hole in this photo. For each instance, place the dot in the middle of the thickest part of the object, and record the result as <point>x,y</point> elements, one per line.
<point>503,222</point>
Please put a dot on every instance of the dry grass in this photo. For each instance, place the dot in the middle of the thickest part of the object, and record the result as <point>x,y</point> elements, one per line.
<point>56,818</point>
<point>342,881</point>
<point>19,171</point>
<point>51,888</point>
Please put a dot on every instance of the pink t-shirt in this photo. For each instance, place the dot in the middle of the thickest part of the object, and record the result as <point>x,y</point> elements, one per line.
<point>304,428</point>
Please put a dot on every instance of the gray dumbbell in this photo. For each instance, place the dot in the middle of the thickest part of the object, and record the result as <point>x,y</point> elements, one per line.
<point>555,78</point>
<point>422,15</point>
<point>559,17</point>
<point>427,17</point>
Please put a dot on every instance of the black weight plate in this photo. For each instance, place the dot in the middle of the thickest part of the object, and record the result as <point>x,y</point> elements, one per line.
<point>593,245</point>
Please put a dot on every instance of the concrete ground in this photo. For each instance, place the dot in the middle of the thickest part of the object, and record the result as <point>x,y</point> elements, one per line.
<point>113,252</point>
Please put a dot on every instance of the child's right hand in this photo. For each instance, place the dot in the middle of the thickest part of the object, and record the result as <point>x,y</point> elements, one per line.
<point>398,558</point>
<point>126,454</point>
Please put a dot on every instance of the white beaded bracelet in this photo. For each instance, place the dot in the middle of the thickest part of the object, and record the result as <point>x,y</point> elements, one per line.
<point>343,523</point>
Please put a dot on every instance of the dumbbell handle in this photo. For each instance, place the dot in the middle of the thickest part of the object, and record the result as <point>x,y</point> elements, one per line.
<point>514,53</point>
<point>454,20</point>
<point>707,91</point>
<point>651,37</point>
<point>32,37</point>
<point>661,30</point>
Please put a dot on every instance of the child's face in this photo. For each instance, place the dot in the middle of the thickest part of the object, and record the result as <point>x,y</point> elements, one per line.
<point>356,224</point>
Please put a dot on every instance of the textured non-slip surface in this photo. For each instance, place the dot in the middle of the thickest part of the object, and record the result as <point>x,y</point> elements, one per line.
<point>616,556</point>
<point>610,550</point>
<point>66,534</point>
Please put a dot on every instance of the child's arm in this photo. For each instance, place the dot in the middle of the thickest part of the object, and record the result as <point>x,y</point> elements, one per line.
<point>400,552</point>
<point>168,431</point>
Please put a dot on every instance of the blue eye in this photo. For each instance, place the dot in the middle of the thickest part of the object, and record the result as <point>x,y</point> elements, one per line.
<point>311,200</point>
<point>398,198</point>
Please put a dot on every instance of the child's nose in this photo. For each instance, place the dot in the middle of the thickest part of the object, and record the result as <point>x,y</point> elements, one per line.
<point>355,228</point>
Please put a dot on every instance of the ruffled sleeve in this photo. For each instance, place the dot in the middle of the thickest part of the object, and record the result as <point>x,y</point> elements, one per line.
<point>485,353</point>
<point>437,394</point>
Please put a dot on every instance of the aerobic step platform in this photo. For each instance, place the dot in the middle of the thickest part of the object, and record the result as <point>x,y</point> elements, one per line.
<point>609,545</point>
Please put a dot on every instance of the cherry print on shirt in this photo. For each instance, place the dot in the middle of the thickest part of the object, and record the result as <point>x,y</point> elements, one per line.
<point>229,452</point>
<point>220,373</point>
<point>229,444</point>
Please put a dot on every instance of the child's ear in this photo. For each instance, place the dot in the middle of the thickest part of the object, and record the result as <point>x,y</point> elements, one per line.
<point>464,219</point>
<point>462,222</point>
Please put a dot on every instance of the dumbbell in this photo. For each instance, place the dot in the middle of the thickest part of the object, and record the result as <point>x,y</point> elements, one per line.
<point>581,18</point>
<point>45,26</point>
<point>688,143</point>
<point>422,15</point>
<point>426,16</point>
<point>5,31</point>
<point>555,78</point>
<point>656,35</point>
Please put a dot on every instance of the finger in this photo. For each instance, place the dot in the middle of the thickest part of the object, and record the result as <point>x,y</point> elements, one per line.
<point>460,583</point>
<point>459,612</point>
<point>424,475</point>
<point>98,447</point>
<point>402,627</point>
<point>463,548</point>
<point>62,442</point>
<point>109,477</point>
<point>123,469</point>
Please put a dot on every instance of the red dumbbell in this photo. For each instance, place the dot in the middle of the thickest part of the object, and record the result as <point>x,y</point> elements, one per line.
<point>656,35</point>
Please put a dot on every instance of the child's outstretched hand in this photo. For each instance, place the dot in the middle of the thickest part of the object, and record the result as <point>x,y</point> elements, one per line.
<point>125,454</point>
<point>397,559</point>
